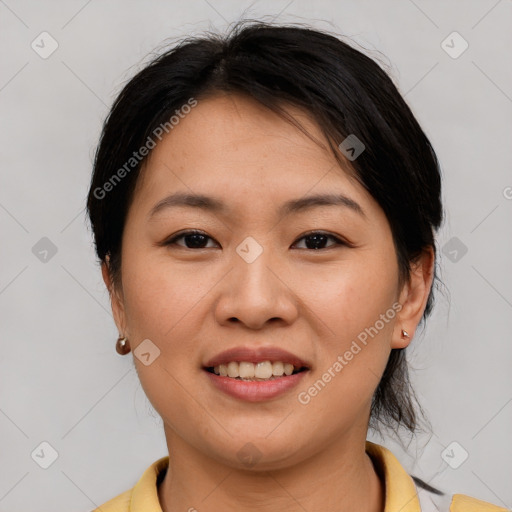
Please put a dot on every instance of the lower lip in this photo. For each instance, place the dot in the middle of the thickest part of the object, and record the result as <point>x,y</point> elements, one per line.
<point>256,391</point>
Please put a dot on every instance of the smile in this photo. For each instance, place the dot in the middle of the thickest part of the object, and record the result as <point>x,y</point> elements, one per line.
<point>255,382</point>
<point>262,371</point>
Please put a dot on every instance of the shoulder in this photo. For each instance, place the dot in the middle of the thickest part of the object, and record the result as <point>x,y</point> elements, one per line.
<point>409,493</point>
<point>432,500</point>
<point>143,497</point>
<point>120,503</point>
<point>464,503</point>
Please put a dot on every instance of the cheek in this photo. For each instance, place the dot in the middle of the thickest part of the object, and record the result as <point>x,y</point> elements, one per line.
<point>161,302</point>
<point>160,297</point>
<point>352,296</point>
<point>356,310</point>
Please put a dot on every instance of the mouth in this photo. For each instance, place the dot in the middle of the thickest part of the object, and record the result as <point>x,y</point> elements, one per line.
<point>256,372</point>
<point>255,375</point>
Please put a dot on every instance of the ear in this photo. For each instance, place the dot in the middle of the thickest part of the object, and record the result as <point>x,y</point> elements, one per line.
<point>116,300</point>
<point>413,298</point>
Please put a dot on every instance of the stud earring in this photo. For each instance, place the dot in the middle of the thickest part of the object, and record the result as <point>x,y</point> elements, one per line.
<point>122,345</point>
<point>405,334</point>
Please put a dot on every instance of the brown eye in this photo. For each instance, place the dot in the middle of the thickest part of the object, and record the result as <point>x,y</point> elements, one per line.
<point>316,240</point>
<point>193,239</point>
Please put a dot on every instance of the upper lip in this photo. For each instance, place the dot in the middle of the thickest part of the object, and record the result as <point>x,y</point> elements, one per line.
<point>256,355</point>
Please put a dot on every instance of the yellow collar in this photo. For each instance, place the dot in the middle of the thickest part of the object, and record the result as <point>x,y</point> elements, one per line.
<point>400,488</point>
<point>145,492</point>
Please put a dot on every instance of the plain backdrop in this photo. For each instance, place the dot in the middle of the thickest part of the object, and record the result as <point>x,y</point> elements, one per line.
<point>61,381</point>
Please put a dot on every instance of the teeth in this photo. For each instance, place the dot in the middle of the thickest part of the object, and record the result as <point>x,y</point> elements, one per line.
<point>263,370</point>
<point>250,371</point>
<point>246,370</point>
<point>277,368</point>
<point>233,369</point>
<point>288,368</point>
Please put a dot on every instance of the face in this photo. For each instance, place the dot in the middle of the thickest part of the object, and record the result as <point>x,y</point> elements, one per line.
<point>319,281</point>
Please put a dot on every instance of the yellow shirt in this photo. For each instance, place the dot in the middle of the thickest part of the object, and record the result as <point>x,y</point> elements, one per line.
<point>402,494</point>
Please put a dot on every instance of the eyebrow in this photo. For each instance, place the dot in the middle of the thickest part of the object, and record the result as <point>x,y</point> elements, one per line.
<point>207,203</point>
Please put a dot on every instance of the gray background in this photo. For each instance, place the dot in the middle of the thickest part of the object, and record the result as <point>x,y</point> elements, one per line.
<point>61,380</point>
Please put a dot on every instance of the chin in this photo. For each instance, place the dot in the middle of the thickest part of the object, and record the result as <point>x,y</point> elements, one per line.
<point>255,452</point>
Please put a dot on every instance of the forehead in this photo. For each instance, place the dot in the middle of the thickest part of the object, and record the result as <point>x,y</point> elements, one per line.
<point>234,148</point>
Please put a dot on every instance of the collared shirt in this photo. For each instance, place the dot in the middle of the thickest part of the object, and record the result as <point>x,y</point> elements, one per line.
<point>401,492</point>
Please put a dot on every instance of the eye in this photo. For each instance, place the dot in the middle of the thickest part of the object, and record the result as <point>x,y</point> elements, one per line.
<point>317,239</point>
<point>196,239</point>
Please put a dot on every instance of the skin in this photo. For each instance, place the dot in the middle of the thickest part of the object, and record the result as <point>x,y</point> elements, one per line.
<point>194,303</point>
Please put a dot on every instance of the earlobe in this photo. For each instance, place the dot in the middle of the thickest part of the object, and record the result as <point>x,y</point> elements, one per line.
<point>105,274</point>
<point>116,300</point>
<point>402,339</point>
<point>413,298</point>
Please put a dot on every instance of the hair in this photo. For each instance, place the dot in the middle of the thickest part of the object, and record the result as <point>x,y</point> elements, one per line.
<point>344,91</point>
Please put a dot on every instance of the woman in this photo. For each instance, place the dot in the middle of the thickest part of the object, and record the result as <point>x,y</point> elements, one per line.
<point>264,207</point>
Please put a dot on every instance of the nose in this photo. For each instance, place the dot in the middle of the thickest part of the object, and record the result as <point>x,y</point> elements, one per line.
<point>257,292</point>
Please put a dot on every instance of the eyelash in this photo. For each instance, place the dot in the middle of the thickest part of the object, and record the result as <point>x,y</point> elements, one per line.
<point>172,240</point>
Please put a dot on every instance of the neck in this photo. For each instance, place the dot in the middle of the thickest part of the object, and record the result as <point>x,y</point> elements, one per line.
<point>341,478</point>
